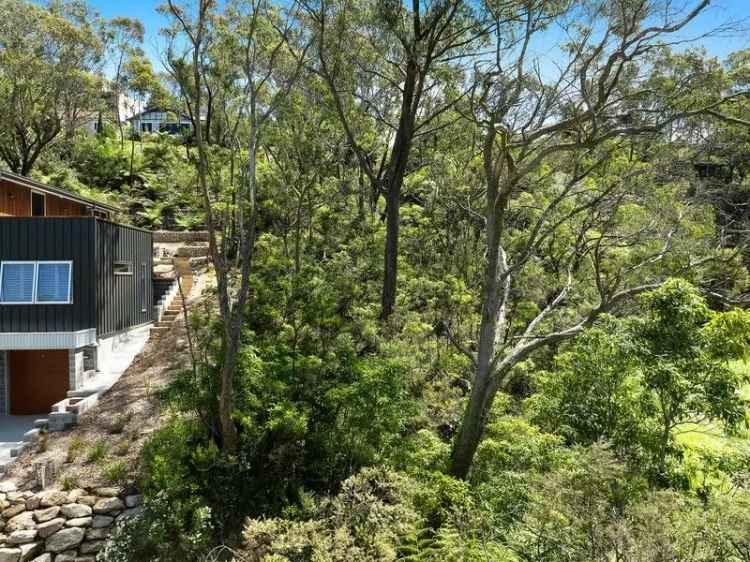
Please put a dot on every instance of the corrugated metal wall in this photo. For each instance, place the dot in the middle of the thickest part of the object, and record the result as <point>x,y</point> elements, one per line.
<point>102,300</point>
<point>123,301</point>
<point>33,239</point>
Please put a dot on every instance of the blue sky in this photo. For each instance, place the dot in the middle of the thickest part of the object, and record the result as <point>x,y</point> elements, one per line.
<point>720,11</point>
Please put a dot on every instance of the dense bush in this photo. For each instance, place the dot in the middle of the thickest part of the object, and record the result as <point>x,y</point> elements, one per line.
<point>636,382</point>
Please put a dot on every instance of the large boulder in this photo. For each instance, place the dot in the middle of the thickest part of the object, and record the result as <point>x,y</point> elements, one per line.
<point>22,536</point>
<point>42,515</point>
<point>65,539</point>
<point>23,521</point>
<point>50,527</point>
<point>76,510</point>
<point>12,511</point>
<point>101,521</point>
<point>10,554</point>
<point>107,505</point>
<point>28,551</point>
<point>53,497</point>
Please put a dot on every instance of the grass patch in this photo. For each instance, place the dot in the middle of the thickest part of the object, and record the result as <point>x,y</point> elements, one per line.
<point>75,447</point>
<point>69,482</point>
<point>115,472</point>
<point>97,452</point>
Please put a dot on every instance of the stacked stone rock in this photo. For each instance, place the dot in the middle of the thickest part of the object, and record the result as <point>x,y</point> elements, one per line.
<point>57,526</point>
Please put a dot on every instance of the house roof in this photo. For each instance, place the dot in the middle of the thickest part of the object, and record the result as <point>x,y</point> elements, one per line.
<point>152,109</point>
<point>62,193</point>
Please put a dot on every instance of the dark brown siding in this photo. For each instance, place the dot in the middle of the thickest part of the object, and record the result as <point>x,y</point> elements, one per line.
<point>38,379</point>
<point>15,201</point>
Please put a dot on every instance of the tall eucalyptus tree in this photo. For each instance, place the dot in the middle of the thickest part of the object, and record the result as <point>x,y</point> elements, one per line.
<point>563,121</point>
<point>392,72</point>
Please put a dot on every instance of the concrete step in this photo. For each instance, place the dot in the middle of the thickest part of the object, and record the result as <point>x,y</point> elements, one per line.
<point>19,448</point>
<point>163,325</point>
<point>159,330</point>
<point>31,435</point>
<point>81,393</point>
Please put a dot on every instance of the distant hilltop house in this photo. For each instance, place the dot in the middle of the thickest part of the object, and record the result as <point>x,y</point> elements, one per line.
<point>72,284</point>
<point>159,120</point>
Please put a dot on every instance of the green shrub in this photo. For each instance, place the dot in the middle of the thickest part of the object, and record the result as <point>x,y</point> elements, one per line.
<point>115,472</point>
<point>181,466</point>
<point>159,534</point>
<point>97,451</point>
<point>69,482</point>
<point>364,522</point>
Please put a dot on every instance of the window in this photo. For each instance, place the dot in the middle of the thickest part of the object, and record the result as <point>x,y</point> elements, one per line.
<point>37,204</point>
<point>17,282</point>
<point>53,282</point>
<point>123,268</point>
<point>47,282</point>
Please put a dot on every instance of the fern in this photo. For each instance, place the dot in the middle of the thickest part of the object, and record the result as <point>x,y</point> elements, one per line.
<point>418,546</point>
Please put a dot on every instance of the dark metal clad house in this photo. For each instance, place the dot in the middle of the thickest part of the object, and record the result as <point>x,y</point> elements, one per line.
<point>71,282</point>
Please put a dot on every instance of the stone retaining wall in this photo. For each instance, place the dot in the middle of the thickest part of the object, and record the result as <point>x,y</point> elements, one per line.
<point>56,526</point>
<point>180,236</point>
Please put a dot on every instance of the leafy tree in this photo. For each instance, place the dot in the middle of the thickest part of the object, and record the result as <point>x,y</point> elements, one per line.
<point>532,125</point>
<point>390,89</point>
<point>123,35</point>
<point>638,381</point>
<point>49,65</point>
<point>263,46</point>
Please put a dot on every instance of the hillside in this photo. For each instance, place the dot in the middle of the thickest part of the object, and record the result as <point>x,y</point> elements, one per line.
<point>477,285</point>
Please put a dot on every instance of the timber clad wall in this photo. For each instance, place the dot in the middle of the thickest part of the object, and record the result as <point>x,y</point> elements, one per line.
<point>123,300</point>
<point>15,200</point>
<point>102,300</point>
<point>32,239</point>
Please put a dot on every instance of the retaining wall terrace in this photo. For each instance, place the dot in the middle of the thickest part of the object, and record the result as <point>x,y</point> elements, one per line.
<point>171,236</point>
<point>58,526</point>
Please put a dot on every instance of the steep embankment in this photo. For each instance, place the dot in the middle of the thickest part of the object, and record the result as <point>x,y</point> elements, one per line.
<point>103,449</point>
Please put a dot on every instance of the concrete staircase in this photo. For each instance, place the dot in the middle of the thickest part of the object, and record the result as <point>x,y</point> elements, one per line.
<point>185,272</point>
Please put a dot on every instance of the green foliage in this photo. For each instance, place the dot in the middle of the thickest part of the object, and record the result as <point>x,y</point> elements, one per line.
<point>115,472</point>
<point>589,511</point>
<point>635,382</point>
<point>590,395</point>
<point>346,422</point>
<point>159,534</point>
<point>48,67</point>
<point>97,451</point>
<point>182,472</point>
<point>362,522</point>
